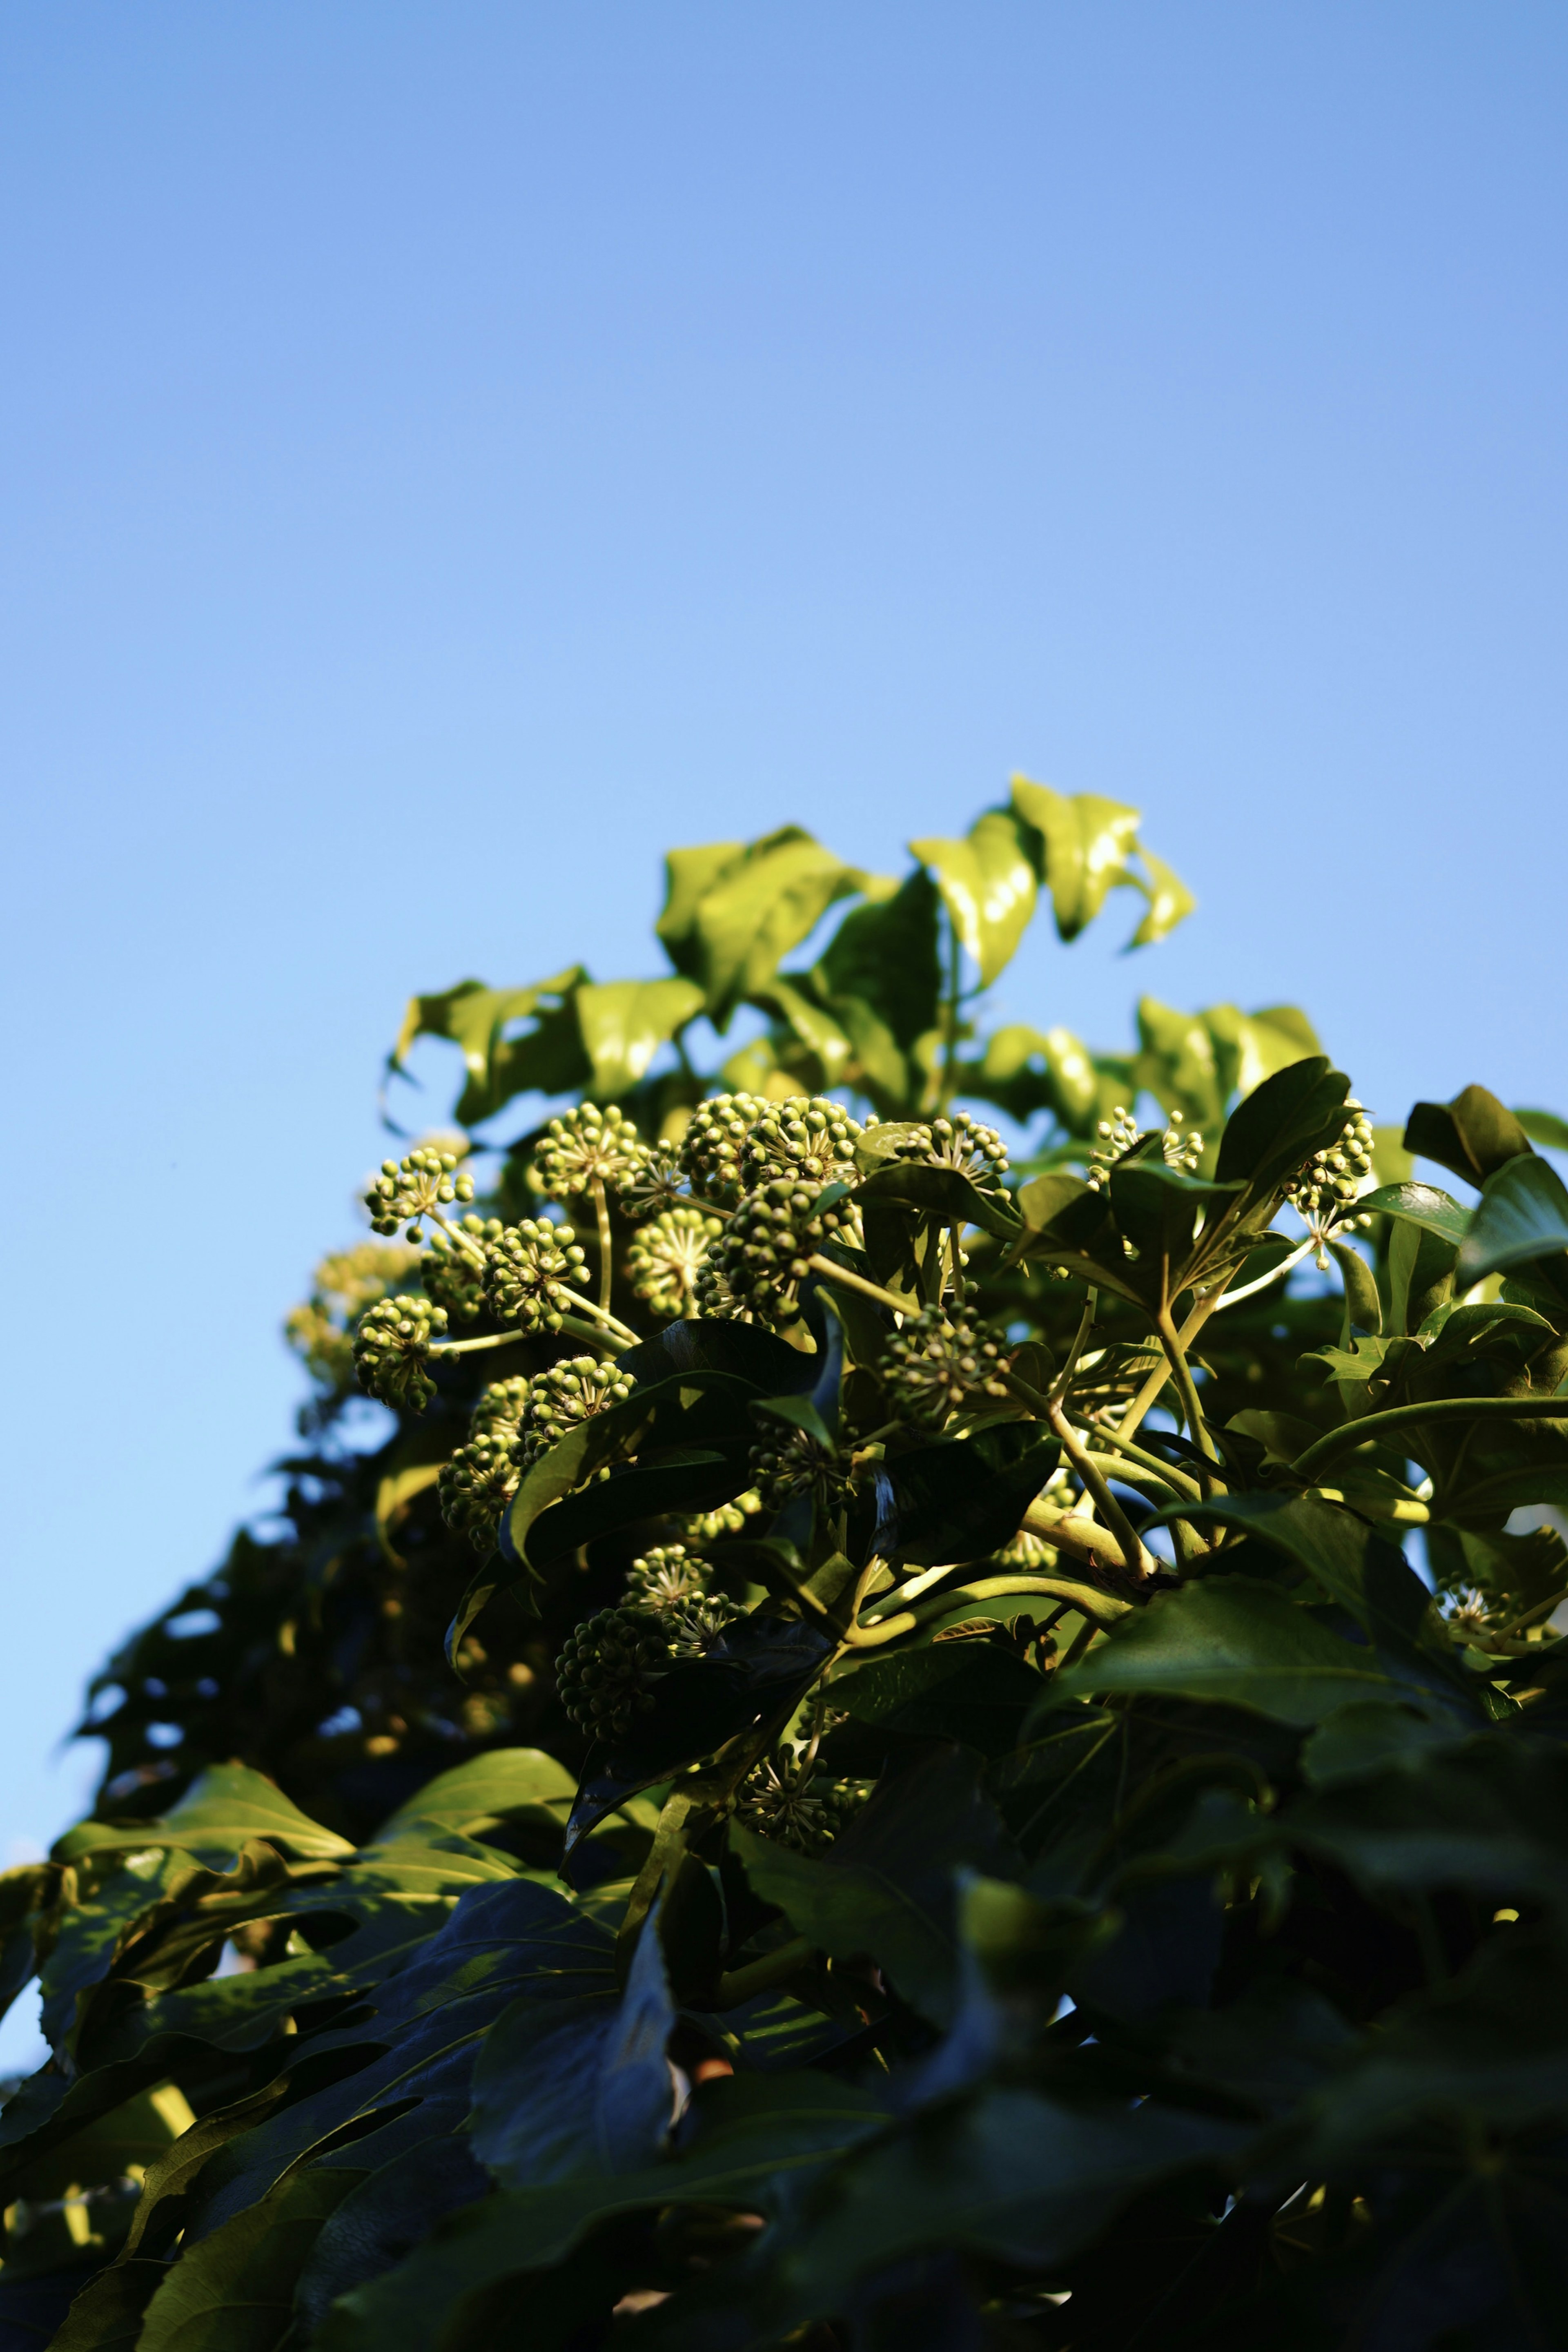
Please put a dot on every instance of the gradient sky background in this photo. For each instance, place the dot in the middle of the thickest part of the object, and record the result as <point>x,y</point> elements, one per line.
<point>448,454</point>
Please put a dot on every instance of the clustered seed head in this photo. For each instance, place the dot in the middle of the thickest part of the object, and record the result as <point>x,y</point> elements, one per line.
<point>807,1139</point>
<point>583,1147</point>
<point>729,1519</point>
<point>962,1143</point>
<point>696,1623</point>
<point>475,1487</point>
<point>1333,1179</point>
<point>650,1181</point>
<point>563,1396</point>
<point>791,1463</point>
<point>939,1363</point>
<point>500,1406</point>
<point>663,1577</point>
<point>605,1673</point>
<point>762,1256</point>
<point>415,1186</point>
<point>665,1259</point>
<point>343,1286</point>
<point>451,1274</point>
<point>529,1270</point>
<point>711,1148</point>
<point>1181,1151</point>
<point>794,1802</point>
<point>1116,1136</point>
<point>392,1351</point>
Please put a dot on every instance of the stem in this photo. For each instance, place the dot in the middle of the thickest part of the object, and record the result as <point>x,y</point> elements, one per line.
<point>956,1253</point>
<point>606,1262</point>
<point>476,1346</point>
<point>1202,1311</point>
<point>1104,1607</point>
<point>1134,1557</point>
<point>1197,1428</point>
<point>1286,1266</point>
<point>601,1315</point>
<point>1178,1479</point>
<point>852,1281</point>
<point>1086,1538</point>
<point>1136,1473</point>
<point>773,1968</point>
<point>1410,1416</point>
<point>1062,1382</point>
<point>579,1329</point>
<point>465,1242</point>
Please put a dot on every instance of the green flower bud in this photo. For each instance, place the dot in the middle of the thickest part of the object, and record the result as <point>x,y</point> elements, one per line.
<point>762,1256</point>
<point>585,1147</point>
<point>666,1257</point>
<point>564,1396</point>
<point>940,1363</point>
<point>529,1269</point>
<point>476,1485</point>
<point>807,1141</point>
<point>605,1675</point>
<point>343,1286</point>
<point>665,1578</point>
<point>392,1351</point>
<point>710,1150</point>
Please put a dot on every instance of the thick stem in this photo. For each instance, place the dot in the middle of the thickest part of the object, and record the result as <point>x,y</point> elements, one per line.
<point>476,1346</point>
<point>465,1242</point>
<point>774,1968</point>
<point>848,1280</point>
<point>1134,1557</point>
<point>1102,1606</point>
<point>1178,1479</point>
<point>600,1315</point>
<point>1146,1395</point>
<point>1409,1416</point>
<point>1063,1380</point>
<point>1197,1428</point>
<point>612,1344</point>
<point>606,1259</point>
<point>1086,1538</point>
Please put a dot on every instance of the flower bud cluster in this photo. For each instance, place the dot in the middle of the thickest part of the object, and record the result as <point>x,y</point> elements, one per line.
<point>729,1519</point>
<point>415,1186</point>
<point>711,1148</point>
<point>665,1259</point>
<point>790,1462</point>
<point>343,1286</point>
<point>1333,1179</point>
<point>1183,1148</point>
<point>562,1398</point>
<point>806,1140</point>
<point>452,1275</point>
<point>653,1180</point>
<point>961,1142</point>
<point>605,1675</point>
<point>665,1577</point>
<point>392,1351</point>
<point>792,1800</point>
<point>529,1270</point>
<point>763,1255</point>
<point>584,1148</point>
<point>500,1406</point>
<point>1116,1137</point>
<point>939,1363</point>
<point>478,1482</point>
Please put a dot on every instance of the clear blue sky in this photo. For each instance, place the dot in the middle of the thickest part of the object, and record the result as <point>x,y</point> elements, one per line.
<point>449,454</point>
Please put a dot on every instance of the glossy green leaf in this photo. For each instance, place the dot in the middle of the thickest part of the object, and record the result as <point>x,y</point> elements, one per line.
<point>1474,1135</point>
<point>227,1805</point>
<point>1522,1214</point>
<point>624,1023</point>
<point>477,1018</point>
<point>1427,1205</point>
<point>1087,842</point>
<point>1544,1126</point>
<point>234,2292</point>
<point>942,1192</point>
<point>885,956</point>
<point>988,886</point>
<point>730,920</point>
<point>1296,1112</point>
<point>1170,900</point>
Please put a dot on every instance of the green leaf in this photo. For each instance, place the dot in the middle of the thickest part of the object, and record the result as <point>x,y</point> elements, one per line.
<point>1025,1071</point>
<point>1427,1205</point>
<point>1233,1639</point>
<point>234,2291</point>
<point>731,918</point>
<point>964,1498</point>
<point>988,886</point>
<point>816,1030</point>
<point>1170,900</point>
<point>1298,1111</point>
<point>1522,1214</point>
<point>1250,1047</point>
<point>1157,1209</point>
<point>941,1193</point>
<point>971,1692</point>
<point>1544,1126</point>
<point>228,1805</point>
<point>1086,843</point>
<point>475,1019</point>
<point>1473,1135</point>
<point>1177,1062</point>
<point>480,1794</point>
<point>1362,1306</point>
<point>106,2317</point>
<point>624,1023</point>
<point>885,956</point>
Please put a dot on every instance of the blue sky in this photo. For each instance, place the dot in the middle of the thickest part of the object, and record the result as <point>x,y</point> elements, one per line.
<point>448,454</point>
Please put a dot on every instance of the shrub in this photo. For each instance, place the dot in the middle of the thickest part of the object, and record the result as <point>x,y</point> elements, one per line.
<point>945,1816</point>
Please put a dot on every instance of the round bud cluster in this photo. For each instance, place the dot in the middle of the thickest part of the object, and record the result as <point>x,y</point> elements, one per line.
<point>789,1799</point>
<point>762,1256</point>
<point>498,1408</point>
<point>475,1487</point>
<point>584,1148</point>
<point>962,1143</point>
<point>1333,1179</point>
<point>665,1259</point>
<point>343,1286</point>
<point>712,1145</point>
<point>528,1270</point>
<point>563,1396</point>
<point>651,1180</point>
<point>696,1623</point>
<point>938,1363</point>
<point>413,1187</point>
<point>807,1139</point>
<point>1116,1136</point>
<point>663,1577</point>
<point>729,1519</point>
<point>452,1275</point>
<point>791,1463</point>
<point>392,1351</point>
<point>1183,1150</point>
<point>605,1673</point>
